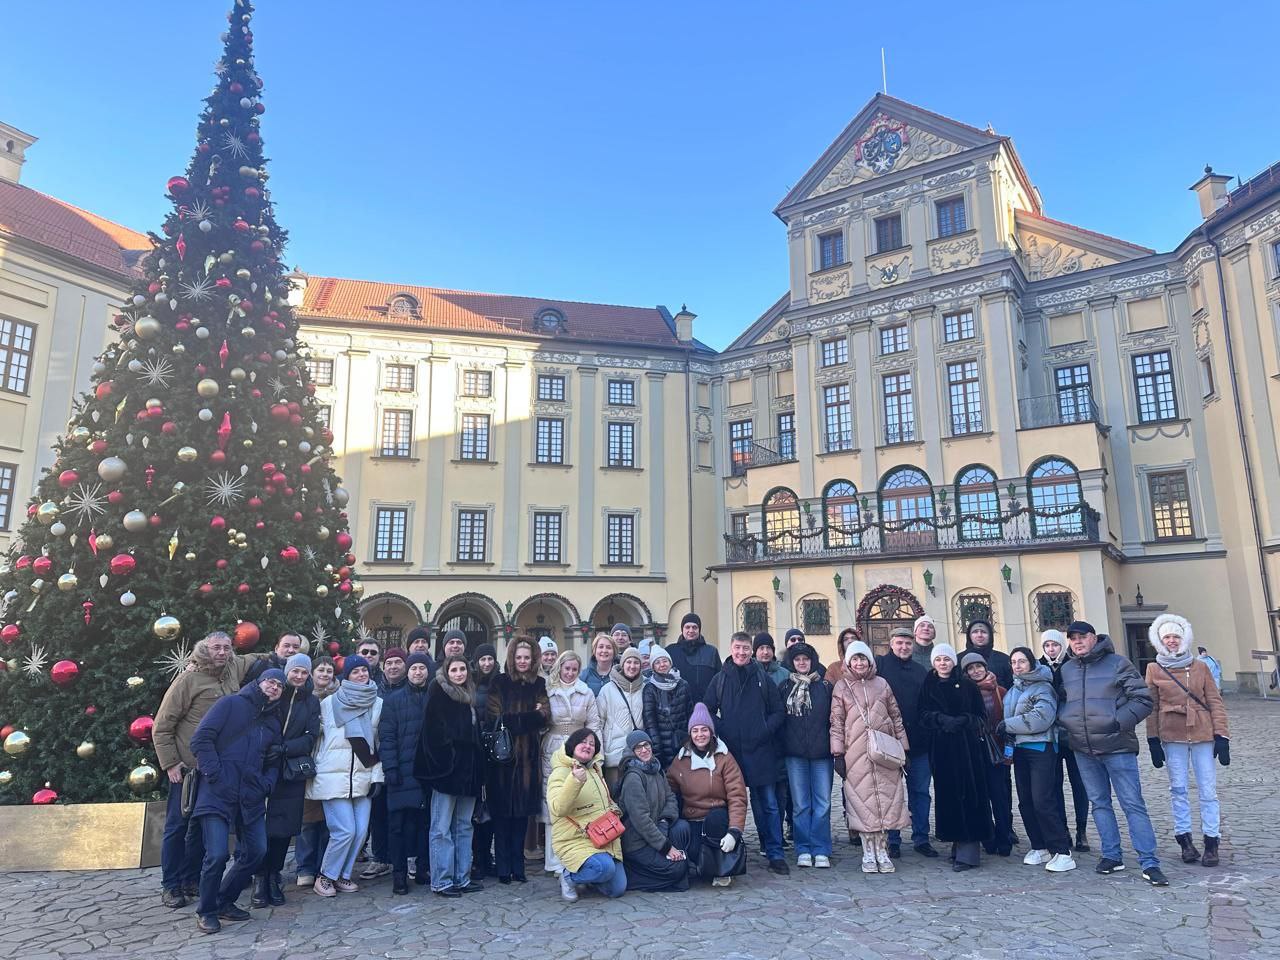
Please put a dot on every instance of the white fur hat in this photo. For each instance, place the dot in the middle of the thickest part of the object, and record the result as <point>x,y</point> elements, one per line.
<point>1170,624</point>
<point>855,648</point>
<point>924,619</point>
<point>943,650</point>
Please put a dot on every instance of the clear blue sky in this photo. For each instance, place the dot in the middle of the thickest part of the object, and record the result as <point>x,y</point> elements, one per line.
<point>629,152</point>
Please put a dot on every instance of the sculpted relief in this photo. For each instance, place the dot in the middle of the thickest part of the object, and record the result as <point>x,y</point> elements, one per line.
<point>885,144</point>
<point>829,286</point>
<point>1044,258</point>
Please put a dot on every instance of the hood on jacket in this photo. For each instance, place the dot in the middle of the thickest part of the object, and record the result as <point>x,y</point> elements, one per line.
<point>1100,650</point>
<point>1169,623</point>
<point>534,668</point>
<point>968,636</point>
<point>1039,673</point>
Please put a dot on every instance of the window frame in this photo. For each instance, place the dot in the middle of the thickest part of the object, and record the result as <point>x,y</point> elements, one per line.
<point>787,435</point>
<point>1063,525</point>
<point>831,243</point>
<point>841,506</point>
<point>949,227</point>
<point>815,616</point>
<point>397,384</point>
<point>967,390</point>
<point>837,414</point>
<point>960,326</point>
<point>783,506</point>
<point>614,555</point>
<point>892,222</point>
<point>554,448</point>
<point>551,379</point>
<point>324,415</point>
<point>839,352</point>
<point>626,392</point>
<point>1070,389</point>
<point>388,553</point>
<point>17,353</point>
<point>8,487</point>
<point>401,443</point>
<point>740,439</point>
<point>626,451</point>
<point>987,490</point>
<point>1155,380</point>
<point>470,384</point>
<point>1176,518</point>
<point>898,406</point>
<point>474,517</point>
<point>895,338</point>
<point>316,364</point>
<point>544,518</point>
<point>479,434</point>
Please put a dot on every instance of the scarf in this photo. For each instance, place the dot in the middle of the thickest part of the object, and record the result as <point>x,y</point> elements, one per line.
<point>705,760</point>
<point>1175,661</point>
<point>654,766</point>
<point>352,710</point>
<point>665,682</point>
<point>798,701</point>
<point>466,693</point>
<point>991,697</point>
<point>623,684</point>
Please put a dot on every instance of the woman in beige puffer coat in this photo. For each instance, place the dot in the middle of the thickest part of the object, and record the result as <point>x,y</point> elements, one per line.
<point>875,795</point>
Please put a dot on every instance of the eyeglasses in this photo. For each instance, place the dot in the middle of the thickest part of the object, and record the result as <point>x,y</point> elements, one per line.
<point>368,653</point>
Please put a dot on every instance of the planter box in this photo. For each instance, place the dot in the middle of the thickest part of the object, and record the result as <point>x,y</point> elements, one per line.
<point>81,836</point>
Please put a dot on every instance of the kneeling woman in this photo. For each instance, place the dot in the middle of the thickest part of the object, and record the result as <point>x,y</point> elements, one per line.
<point>653,848</point>
<point>577,795</point>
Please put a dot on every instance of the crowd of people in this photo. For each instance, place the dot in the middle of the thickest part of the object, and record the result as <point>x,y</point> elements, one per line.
<point>636,769</point>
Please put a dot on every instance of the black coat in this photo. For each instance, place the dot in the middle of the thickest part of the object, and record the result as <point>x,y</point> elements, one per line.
<point>515,789</point>
<point>906,679</point>
<point>299,711</point>
<point>807,736</point>
<point>261,666</point>
<point>748,712</point>
<point>666,718</point>
<point>399,732</point>
<point>698,662</point>
<point>230,747</point>
<point>449,758</point>
<point>953,713</point>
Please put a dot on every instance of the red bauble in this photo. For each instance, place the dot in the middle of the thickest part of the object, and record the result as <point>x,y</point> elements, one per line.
<point>168,427</point>
<point>242,589</point>
<point>140,730</point>
<point>254,503</point>
<point>154,520</point>
<point>217,457</point>
<point>252,193</point>
<point>42,566</point>
<point>344,586</point>
<point>236,86</point>
<point>122,564</point>
<point>260,525</point>
<point>246,634</point>
<point>349,558</point>
<point>10,633</point>
<point>98,447</point>
<point>206,590</point>
<point>305,469</point>
<point>218,523</point>
<point>64,672</point>
<point>279,479</point>
<point>153,287</point>
<point>115,497</point>
<point>297,517</point>
<point>103,390</point>
<point>23,561</point>
<point>90,710</point>
<point>295,407</point>
<point>338,663</point>
<point>295,419</point>
<point>5,731</point>
<point>44,796</point>
<point>290,554</point>
<point>222,564</point>
<point>343,540</point>
<point>334,646</point>
<point>344,572</point>
<point>268,468</point>
<point>279,412</point>
<point>178,185</point>
<point>255,393</point>
<point>240,226</point>
<point>67,478</point>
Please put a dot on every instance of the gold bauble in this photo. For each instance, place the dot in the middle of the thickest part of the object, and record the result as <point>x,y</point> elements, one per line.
<point>68,582</point>
<point>322,591</point>
<point>189,555</point>
<point>323,532</point>
<point>207,388</point>
<point>105,541</point>
<point>246,443</point>
<point>154,404</point>
<point>166,627</point>
<point>187,454</point>
<point>147,327</point>
<point>80,434</point>
<point>357,589</point>
<point>38,585</point>
<point>243,273</point>
<point>238,374</point>
<point>143,778</point>
<point>17,743</point>
<point>241,538</point>
<point>47,512</point>
<point>6,777</point>
<point>226,257</point>
<point>133,683</point>
<point>86,749</point>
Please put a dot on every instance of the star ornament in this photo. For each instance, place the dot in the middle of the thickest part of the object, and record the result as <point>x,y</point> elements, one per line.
<point>35,662</point>
<point>224,489</point>
<point>235,146</point>
<point>157,372</point>
<point>175,661</point>
<point>86,503</point>
<point>197,291</point>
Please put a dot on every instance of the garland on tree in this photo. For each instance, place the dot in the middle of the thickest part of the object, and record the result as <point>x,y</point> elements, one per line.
<point>192,492</point>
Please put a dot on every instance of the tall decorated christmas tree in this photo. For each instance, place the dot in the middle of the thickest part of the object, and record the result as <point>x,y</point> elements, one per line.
<point>192,492</point>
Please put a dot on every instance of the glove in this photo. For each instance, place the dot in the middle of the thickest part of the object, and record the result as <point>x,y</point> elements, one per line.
<point>273,753</point>
<point>838,760</point>
<point>375,791</point>
<point>1222,750</point>
<point>727,843</point>
<point>1157,751</point>
<point>1001,729</point>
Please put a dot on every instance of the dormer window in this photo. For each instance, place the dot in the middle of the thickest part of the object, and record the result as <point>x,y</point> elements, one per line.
<point>549,321</point>
<point>402,306</point>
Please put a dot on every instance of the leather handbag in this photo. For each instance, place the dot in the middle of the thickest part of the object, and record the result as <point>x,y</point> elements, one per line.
<point>299,768</point>
<point>604,829</point>
<point>498,745</point>
<point>883,748</point>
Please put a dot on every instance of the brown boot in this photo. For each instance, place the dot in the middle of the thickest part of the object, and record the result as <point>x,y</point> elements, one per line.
<point>1189,852</point>
<point>1210,858</point>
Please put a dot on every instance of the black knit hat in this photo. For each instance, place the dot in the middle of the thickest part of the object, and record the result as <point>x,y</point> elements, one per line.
<point>691,618</point>
<point>1026,652</point>
<point>802,649</point>
<point>417,633</point>
<point>577,737</point>
<point>762,640</point>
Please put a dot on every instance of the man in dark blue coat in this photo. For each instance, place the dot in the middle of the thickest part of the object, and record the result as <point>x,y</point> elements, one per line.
<point>905,676</point>
<point>407,803</point>
<point>748,711</point>
<point>695,659</point>
<point>237,748</point>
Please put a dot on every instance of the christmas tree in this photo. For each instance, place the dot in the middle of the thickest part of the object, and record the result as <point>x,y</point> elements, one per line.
<point>192,492</point>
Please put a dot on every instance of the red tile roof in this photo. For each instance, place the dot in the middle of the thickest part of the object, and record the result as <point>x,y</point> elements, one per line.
<point>31,215</point>
<point>368,302</point>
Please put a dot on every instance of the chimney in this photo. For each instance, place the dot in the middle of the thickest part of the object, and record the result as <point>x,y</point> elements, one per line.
<point>297,286</point>
<point>684,324</point>
<point>1212,191</point>
<point>13,147</point>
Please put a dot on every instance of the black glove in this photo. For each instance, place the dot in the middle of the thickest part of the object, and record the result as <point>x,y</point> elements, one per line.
<point>1001,729</point>
<point>838,760</point>
<point>1222,750</point>
<point>375,791</point>
<point>1157,752</point>
<point>273,753</point>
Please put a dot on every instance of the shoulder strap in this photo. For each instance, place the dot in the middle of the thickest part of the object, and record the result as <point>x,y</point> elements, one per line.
<point>1203,706</point>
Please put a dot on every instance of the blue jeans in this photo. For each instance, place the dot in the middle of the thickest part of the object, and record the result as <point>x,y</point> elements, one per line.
<point>1119,772</point>
<point>764,810</point>
<point>217,891</point>
<point>308,849</point>
<point>810,783</point>
<point>348,822</point>
<point>917,800</point>
<point>601,871</point>
<point>1181,758</point>
<point>182,848</point>
<point>450,840</point>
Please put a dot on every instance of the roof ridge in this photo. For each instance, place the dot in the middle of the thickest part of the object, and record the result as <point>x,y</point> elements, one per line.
<point>88,213</point>
<point>477,293</point>
<point>1094,233</point>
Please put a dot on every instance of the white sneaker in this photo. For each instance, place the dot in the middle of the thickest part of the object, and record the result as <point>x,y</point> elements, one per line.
<point>1061,863</point>
<point>883,863</point>
<point>375,870</point>
<point>804,860</point>
<point>721,881</point>
<point>568,889</point>
<point>1036,857</point>
<point>821,862</point>
<point>869,859</point>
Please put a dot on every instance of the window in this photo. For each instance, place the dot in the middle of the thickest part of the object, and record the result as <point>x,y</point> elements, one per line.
<point>477,383</point>
<point>389,531</point>
<point>388,636</point>
<point>837,417</point>
<point>1057,500</point>
<point>906,498</point>
<point>397,433</point>
<point>739,446</point>
<point>951,218</point>
<point>978,504</point>
<point>550,440</point>
<point>816,617</point>
<point>621,543</point>
<point>320,372</point>
<point>888,233</point>
<point>787,436</point>
<point>549,321</point>
<point>1275,258</point>
<point>622,393</point>
<point>398,377</point>
<point>840,511</point>
<point>15,354</point>
<point>472,535</point>
<point>755,616</point>
<point>835,352</point>
<point>781,521</point>
<point>324,415</point>
<point>1153,382</point>
<point>894,339</point>
<point>966,397</point>
<point>831,249</point>
<point>8,472</point>
<point>1075,398</point>
<point>551,387</point>
<point>1207,388</point>
<point>957,326</point>
<point>974,606</point>
<point>475,437</point>
<point>738,525</point>
<point>546,537</point>
<point>622,445</point>
<point>402,307</point>
<point>1170,504</point>
<point>899,409</point>
<point>1054,609</point>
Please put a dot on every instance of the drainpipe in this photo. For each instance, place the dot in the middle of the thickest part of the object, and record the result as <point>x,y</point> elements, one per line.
<point>1244,441</point>
<point>688,472</point>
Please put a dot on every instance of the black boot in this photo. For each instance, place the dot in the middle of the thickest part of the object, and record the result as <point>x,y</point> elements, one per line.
<point>260,895</point>
<point>1082,842</point>
<point>1189,852</point>
<point>275,892</point>
<point>1210,858</point>
<point>400,883</point>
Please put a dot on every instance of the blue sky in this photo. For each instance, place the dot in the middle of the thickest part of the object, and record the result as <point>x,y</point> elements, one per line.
<point>629,152</point>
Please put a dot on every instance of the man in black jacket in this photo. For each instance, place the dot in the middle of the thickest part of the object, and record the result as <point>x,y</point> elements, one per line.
<point>905,677</point>
<point>696,659</point>
<point>288,644</point>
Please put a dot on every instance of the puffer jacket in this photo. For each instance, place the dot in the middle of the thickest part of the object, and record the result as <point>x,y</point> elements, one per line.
<point>1031,707</point>
<point>339,772</point>
<point>807,735</point>
<point>191,695</point>
<point>621,709</point>
<point>569,801</point>
<point>230,747</point>
<point>398,734</point>
<point>572,708</point>
<point>705,783</point>
<point>646,798</point>
<point>299,712</point>
<point>1176,717</point>
<point>748,708</point>
<point>1103,700</point>
<point>594,680</point>
<point>875,795</point>
<point>698,662</point>
<point>666,716</point>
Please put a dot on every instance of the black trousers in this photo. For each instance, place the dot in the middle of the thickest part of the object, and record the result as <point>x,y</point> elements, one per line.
<point>277,850</point>
<point>650,871</point>
<point>1036,772</point>
<point>378,827</point>
<point>409,835</point>
<point>1079,796</point>
<point>482,849</point>
<point>508,845</point>
<point>1000,789</point>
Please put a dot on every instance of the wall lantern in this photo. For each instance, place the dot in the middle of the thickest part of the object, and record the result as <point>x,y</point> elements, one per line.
<point>777,587</point>
<point>836,579</point>
<point>1006,574</point>
<point>928,582</point>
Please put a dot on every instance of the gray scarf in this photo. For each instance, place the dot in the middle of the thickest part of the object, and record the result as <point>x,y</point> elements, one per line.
<point>623,684</point>
<point>1175,661</point>
<point>353,707</point>
<point>798,701</point>
<point>665,682</point>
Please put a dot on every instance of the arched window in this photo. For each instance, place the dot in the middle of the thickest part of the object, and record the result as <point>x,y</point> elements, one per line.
<point>978,503</point>
<point>781,521</point>
<point>402,305</point>
<point>906,495</point>
<point>841,514</point>
<point>549,321</point>
<point>1057,499</point>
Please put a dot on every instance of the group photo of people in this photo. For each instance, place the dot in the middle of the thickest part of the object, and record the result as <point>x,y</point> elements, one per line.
<point>635,769</point>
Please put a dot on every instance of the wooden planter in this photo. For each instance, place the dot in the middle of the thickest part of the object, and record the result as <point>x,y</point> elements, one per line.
<point>81,836</point>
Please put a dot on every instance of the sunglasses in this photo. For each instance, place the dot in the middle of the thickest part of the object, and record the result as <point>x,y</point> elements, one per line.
<point>368,653</point>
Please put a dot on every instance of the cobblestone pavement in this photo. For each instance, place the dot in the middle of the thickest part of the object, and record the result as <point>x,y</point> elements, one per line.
<point>1005,910</point>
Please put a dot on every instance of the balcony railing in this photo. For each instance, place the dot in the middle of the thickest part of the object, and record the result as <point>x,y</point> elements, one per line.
<point>1059,409</point>
<point>763,453</point>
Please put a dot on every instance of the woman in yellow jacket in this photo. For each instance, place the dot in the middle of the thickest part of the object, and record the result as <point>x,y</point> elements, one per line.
<point>576,795</point>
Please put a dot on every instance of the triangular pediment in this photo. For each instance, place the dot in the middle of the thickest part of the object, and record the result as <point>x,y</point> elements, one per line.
<point>1050,248</point>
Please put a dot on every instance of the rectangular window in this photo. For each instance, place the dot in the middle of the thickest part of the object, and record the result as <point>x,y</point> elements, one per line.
<point>397,433</point>
<point>389,529</point>
<point>951,217</point>
<point>475,437</point>
<point>888,233</point>
<point>835,352</point>
<point>831,248</point>
<point>1170,504</point>
<point>1075,399</point>
<point>621,546</point>
<point>1275,258</point>
<point>1153,383</point>
<point>546,537</point>
<point>551,387</point>
<point>8,473</point>
<point>966,397</point>
<point>787,436</point>
<point>957,326</point>
<point>472,530</point>
<point>398,377</point>
<point>816,615</point>
<point>1207,389</point>
<point>738,525</point>
<point>894,339</point>
<point>899,409</point>
<point>324,415</point>
<point>622,445</point>
<point>739,445</point>
<point>550,440</point>
<point>16,340</point>
<point>320,371</point>
<point>477,383</point>
<point>837,417</point>
<point>622,393</point>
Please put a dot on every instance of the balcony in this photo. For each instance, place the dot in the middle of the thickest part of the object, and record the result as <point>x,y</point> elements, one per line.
<point>762,453</point>
<point>1058,410</point>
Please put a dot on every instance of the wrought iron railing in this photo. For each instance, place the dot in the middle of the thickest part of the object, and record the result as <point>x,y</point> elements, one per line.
<point>1059,409</point>
<point>763,453</point>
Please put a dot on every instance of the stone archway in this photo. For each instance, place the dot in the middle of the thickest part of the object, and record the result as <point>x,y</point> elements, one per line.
<point>621,608</point>
<point>548,615</point>
<point>388,617</point>
<point>477,616</point>
<point>884,609</point>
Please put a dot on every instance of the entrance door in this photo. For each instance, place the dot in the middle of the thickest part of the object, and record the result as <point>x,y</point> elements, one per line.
<point>1138,647</point>
<point>475,630</point>
<point>878,632</point>
<point>882,611</point>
